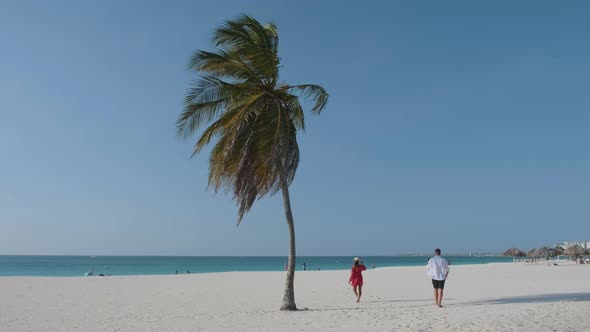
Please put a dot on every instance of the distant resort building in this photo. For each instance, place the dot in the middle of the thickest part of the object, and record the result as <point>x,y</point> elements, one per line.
<point>583,244</point>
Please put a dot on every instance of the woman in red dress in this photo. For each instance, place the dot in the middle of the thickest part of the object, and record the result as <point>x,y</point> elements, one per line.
<point>356,278</point>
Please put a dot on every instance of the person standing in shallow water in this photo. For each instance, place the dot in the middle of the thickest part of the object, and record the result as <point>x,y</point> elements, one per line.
<point>438,270</point>
<point>356,278</point>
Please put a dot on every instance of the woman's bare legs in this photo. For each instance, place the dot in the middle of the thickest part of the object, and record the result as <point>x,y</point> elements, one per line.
<point>355,292</point>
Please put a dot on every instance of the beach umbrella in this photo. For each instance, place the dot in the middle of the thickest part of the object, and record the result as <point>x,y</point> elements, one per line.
<point>558,250</point>
<point>545,252</point>
<point>514,252</point>
<point>531,252</point>
<point>575,251</point>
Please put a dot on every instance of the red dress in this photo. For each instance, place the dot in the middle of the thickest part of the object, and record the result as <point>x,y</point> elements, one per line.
<point>356,275</point>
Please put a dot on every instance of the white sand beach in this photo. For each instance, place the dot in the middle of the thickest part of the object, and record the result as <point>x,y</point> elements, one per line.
<point>494,297</point>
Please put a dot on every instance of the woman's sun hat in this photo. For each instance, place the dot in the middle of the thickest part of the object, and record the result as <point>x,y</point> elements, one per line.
<point>356,259</point>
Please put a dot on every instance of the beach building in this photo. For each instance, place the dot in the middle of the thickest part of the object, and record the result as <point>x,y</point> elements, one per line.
<point>584,244</point>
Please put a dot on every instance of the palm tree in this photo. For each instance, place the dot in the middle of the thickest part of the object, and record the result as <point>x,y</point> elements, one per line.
<point>252,117</point>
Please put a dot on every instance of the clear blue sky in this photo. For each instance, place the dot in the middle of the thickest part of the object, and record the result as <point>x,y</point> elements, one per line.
<point>463,125</point>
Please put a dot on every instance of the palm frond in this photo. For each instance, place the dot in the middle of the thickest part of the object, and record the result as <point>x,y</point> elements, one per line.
<point>206,89</point>
<point>256,45</point>
<point>230,119</point>
<point>195,115</point>
<point>294,109</point>
<point>203,102</point>
<point>233,34</point>
<point>223,64</point>
<point>314,92</point>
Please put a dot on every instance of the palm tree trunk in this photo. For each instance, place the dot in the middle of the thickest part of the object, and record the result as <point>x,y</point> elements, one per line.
<point>289,295</point>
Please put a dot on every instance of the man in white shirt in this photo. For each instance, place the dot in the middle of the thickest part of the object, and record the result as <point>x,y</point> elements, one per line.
<point>438,270</point>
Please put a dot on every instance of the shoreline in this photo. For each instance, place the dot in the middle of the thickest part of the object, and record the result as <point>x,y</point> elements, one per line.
<point>239,271</point>
<point>298,272</point>
<point>565,263</point>
<point>57,266</point>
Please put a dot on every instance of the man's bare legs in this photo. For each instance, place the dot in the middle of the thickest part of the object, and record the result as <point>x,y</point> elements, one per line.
<point>440,297</point>
<point>436,296</point>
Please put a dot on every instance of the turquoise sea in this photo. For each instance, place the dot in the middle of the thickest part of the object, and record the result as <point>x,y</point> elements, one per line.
<point>66,266</point>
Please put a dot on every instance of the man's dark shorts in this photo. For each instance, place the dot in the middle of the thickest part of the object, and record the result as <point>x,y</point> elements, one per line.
<point>438,284</point>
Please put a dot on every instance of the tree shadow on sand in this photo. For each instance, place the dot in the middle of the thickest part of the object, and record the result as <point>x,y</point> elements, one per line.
<point>542,298</point>
<point>402,301</point>
<point>332,309</point>
<point>360,307</point>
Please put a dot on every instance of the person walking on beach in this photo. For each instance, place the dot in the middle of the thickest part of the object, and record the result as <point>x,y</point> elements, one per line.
<point>356,278</point>
<point>438,270</point>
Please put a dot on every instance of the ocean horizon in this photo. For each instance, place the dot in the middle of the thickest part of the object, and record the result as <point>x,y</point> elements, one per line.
<point>79,265</point>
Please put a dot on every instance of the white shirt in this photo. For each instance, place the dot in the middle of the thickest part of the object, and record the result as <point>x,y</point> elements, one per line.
<point>438,268</point>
